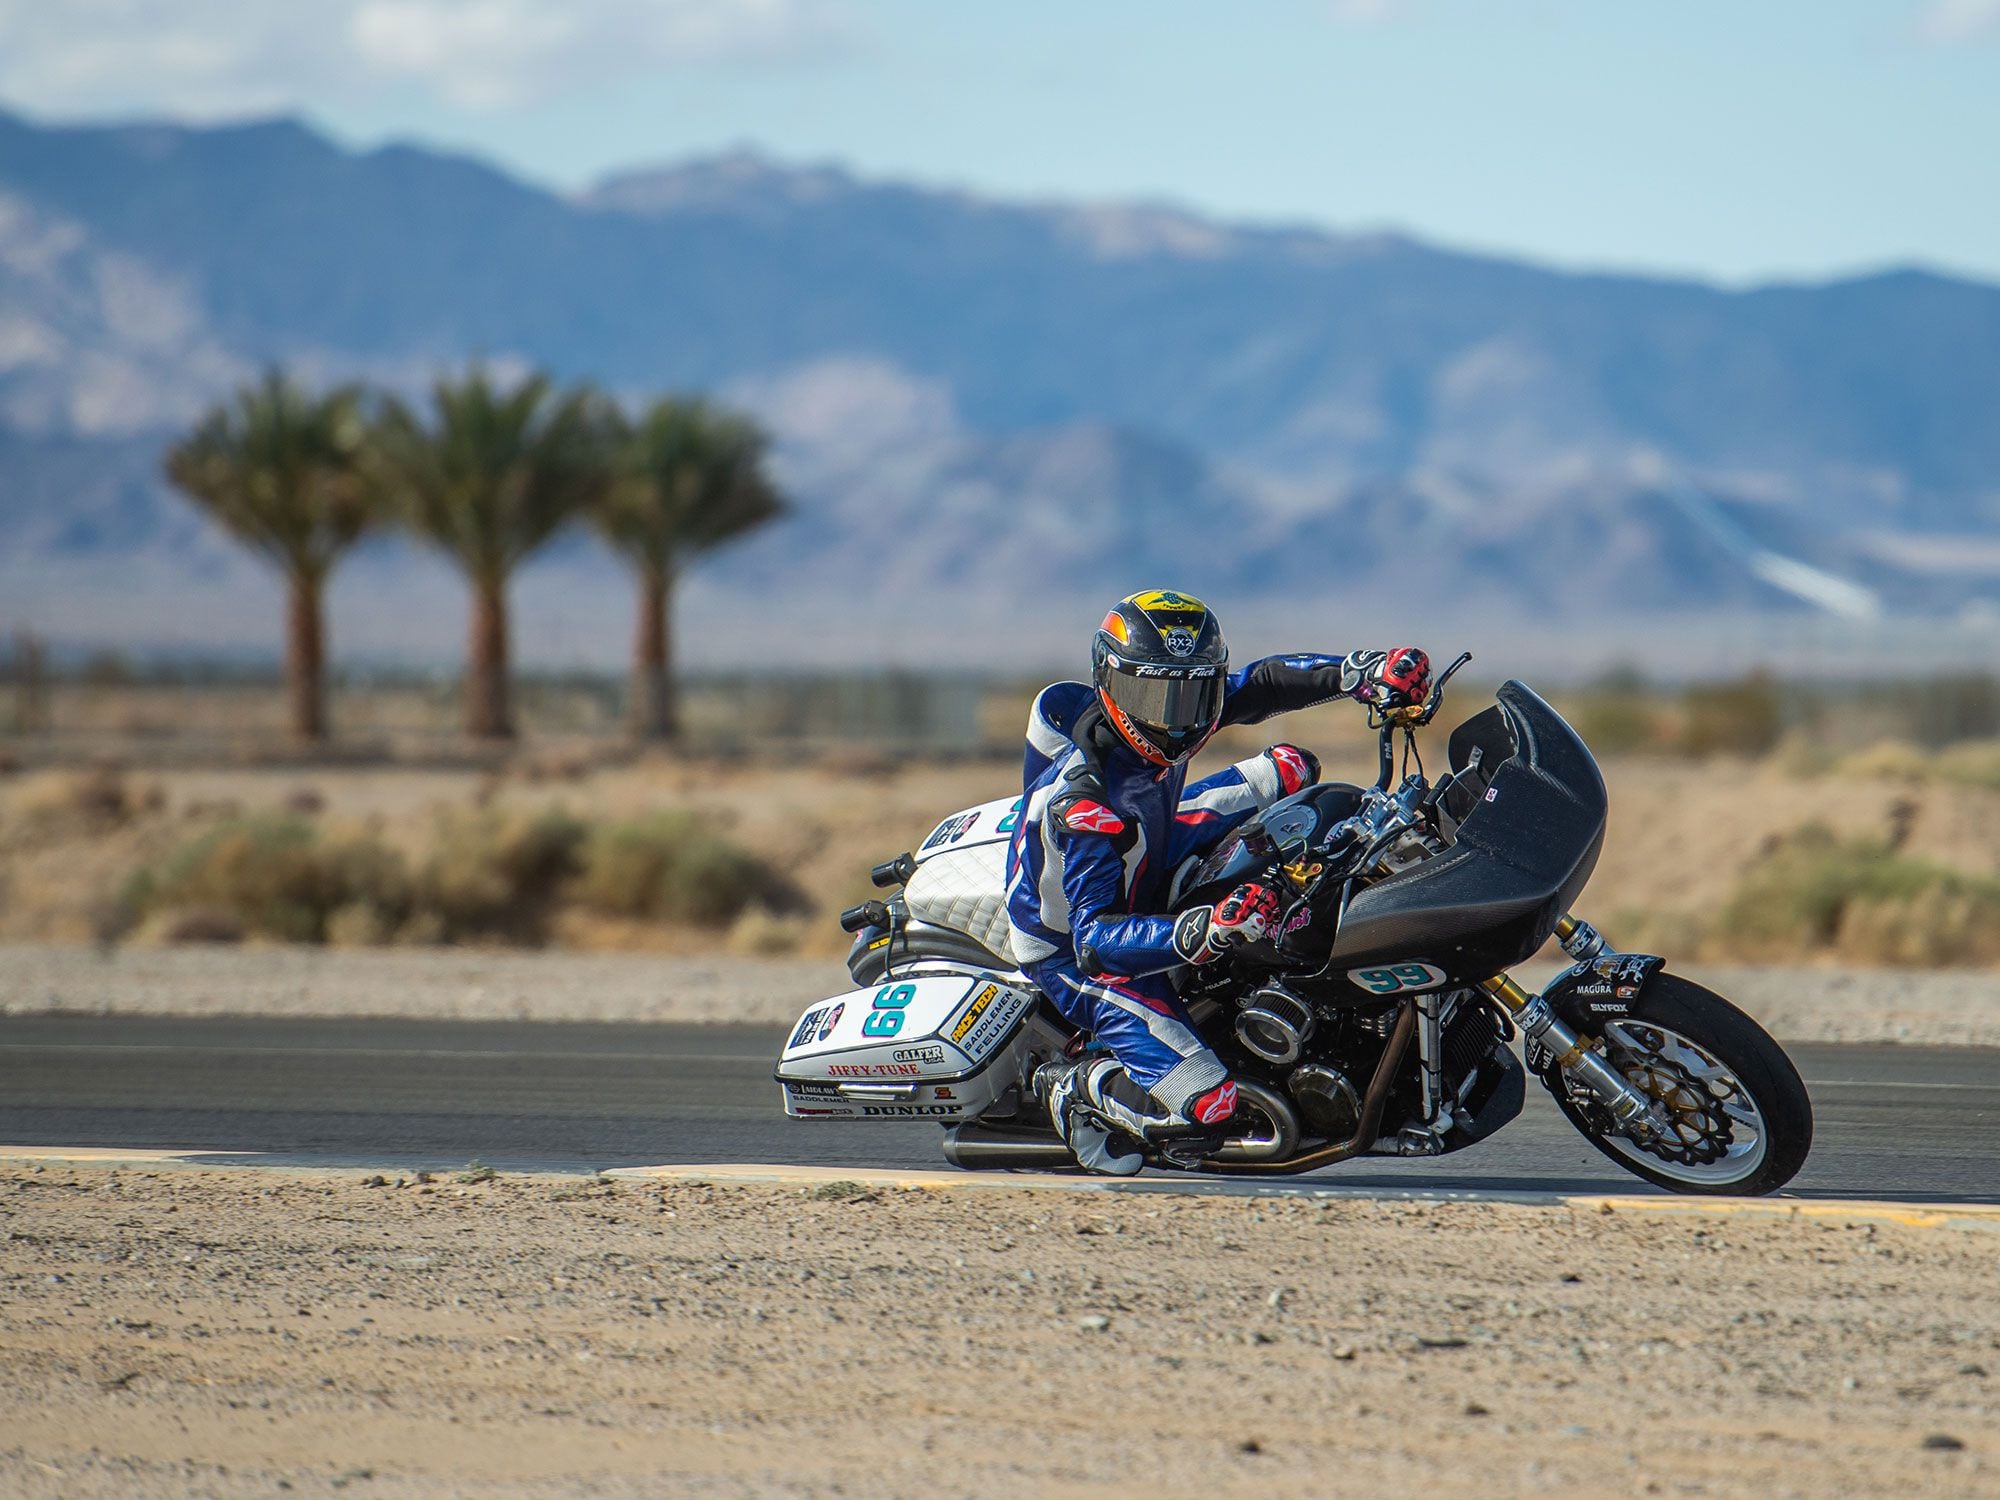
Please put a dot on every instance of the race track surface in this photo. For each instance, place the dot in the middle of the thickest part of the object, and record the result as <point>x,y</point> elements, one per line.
<point>1913,1123</point>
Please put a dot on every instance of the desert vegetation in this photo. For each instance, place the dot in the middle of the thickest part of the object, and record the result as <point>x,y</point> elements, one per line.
<point>1869,859</point>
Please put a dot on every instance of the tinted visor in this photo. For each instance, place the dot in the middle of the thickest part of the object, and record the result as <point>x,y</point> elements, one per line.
<point>1176,713</point>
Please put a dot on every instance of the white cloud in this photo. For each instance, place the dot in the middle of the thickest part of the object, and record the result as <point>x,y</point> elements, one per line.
<point>1946,22</point>
<point>222,57</point>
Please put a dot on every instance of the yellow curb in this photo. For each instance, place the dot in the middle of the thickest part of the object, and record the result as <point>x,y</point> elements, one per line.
<point>1909,1215</point>
<point>916,1177</point>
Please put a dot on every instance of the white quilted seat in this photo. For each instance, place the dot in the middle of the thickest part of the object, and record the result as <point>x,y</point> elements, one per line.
<point>965,889</point>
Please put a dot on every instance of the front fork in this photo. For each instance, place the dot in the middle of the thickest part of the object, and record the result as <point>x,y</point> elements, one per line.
<point>1574,1053</point>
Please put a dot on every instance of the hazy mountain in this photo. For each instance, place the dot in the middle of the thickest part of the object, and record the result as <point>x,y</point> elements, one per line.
<point>989,411</point>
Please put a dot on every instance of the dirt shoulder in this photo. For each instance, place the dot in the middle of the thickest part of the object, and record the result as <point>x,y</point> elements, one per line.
<point>1950,1008</point>
<point>233,1333</point>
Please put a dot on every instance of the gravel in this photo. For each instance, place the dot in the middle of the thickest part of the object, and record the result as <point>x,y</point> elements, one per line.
<point>1949,1008</point>
<point>513,1337</point>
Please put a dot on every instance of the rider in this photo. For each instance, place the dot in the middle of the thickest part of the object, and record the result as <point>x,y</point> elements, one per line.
<point>1108,818</point>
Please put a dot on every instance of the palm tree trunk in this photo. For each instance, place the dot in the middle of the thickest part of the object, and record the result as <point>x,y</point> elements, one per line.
<point>487,714</point>
<point>655,713</point>
<point>305,656</point>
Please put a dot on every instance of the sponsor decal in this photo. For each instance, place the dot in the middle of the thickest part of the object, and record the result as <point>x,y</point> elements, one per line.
<point>873,1070</point>
<point>951,830</point>
<point>832,1020</point>
<point>812,1090</point>
<point>906,1111</point>
<point>807,1024</point>
<point>1297,920</point>
<point>989,1031</point>
<point>1180,641</point>
<point>974,1011</point>
<point>801,1112</point>
<point>1151,669</point>
<point>918,1054</point>
<point>1492,794</point>
<point>942,1092</point>
<point>1085,816</point>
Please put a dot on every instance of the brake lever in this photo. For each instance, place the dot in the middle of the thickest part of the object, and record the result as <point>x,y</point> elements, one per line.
<point>1436,699</point>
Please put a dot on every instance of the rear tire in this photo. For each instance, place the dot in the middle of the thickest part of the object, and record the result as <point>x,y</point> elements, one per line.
<point>1742,1095</point>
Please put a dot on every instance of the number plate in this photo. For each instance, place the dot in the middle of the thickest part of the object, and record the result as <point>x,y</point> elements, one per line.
<point>1397,979</point>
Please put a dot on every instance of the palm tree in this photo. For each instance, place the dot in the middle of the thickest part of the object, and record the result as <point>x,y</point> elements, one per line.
<point>692,479</point>
<point>497,474</point>
<point>282,471</point>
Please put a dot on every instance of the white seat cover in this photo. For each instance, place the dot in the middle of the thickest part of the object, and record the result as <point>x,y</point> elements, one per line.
<point>965,889</point>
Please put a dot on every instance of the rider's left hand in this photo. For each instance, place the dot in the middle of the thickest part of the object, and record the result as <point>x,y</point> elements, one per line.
<point>1397,678</point>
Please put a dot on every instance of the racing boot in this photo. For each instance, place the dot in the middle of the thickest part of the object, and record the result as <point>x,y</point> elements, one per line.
<point>1101,1130</point>
<point>1090,1101</point>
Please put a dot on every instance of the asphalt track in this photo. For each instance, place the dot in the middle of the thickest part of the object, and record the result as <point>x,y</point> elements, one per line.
<point>1903,1123</point>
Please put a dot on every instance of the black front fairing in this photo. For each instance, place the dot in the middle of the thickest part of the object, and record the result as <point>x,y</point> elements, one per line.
<point>1527,811</point>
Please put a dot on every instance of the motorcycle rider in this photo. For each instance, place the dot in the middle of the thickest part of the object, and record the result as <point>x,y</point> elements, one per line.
<point>1107,820</point>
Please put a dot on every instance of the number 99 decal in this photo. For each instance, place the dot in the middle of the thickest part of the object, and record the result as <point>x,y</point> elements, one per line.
<point>1394,979</point>
<point>886,1016</point>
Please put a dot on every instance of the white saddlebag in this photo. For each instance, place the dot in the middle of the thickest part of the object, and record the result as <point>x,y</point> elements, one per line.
<point>933,1046</point>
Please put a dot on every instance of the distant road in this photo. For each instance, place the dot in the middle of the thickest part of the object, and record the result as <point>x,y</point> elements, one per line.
<point>1914,1122</point>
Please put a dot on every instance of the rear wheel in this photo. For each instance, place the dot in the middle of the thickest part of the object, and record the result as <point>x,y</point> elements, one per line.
<point>1740,1120</point>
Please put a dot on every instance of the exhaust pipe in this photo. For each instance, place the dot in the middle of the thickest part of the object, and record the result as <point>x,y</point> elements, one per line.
<point>977,1148</point>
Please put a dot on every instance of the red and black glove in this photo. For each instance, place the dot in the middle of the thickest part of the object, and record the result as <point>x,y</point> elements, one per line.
<point>1397,678</point>
<point>1246,914</point>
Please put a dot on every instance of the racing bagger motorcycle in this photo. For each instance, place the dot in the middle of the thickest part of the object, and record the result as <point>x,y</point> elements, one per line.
<point>1377,1015</point>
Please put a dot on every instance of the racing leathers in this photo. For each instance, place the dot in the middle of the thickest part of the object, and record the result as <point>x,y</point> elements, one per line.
<point>1101,837</point>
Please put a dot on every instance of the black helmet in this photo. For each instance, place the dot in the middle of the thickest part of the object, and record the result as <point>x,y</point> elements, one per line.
<point>1158,661</point>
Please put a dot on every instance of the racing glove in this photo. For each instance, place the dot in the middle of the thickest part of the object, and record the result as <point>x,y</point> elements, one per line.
<point>1204,933</point>
<point>1396,678</point>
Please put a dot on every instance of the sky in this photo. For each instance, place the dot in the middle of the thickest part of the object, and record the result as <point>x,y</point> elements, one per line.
<point>1740,142</point>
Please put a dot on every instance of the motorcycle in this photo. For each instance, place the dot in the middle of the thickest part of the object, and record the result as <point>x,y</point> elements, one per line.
<point>1376,1017</point>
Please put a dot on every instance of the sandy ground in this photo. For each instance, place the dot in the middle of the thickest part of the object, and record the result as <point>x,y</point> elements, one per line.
<point>236,1333</point>
<point>1797,1004</point>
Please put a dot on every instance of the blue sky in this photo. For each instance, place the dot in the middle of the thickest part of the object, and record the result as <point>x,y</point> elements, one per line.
<point>1742,141</point>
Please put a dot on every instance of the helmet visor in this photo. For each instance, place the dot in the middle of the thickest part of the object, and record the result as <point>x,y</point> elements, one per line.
<point>1176,711</point>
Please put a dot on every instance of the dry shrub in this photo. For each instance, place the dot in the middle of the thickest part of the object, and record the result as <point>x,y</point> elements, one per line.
<point>496,875</point>
<point>1972,763</point>
<point>1816,893</point>
<point>270,877</point>
<point>1887,760</point>
<point>82,801</point>
<point>675,867</point>
<point>1617,723</point>
<point>1740,717</point>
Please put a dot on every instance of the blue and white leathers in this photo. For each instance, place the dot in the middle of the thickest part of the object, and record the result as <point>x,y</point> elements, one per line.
<point>1088,903</point>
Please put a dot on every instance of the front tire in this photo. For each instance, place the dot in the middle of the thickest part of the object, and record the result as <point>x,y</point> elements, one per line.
<point>1743,1122</point>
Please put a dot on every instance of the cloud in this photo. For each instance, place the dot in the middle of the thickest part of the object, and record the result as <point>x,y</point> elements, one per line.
<point>208,58</point>
<point>1948,22</point>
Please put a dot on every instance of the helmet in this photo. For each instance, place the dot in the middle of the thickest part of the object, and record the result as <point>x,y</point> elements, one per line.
<point>1158,661</point>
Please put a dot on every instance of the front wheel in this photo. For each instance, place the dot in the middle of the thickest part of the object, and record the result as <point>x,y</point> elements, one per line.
<point>1741,1118</point>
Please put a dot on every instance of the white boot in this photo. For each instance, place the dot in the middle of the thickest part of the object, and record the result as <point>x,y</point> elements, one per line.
<point>1099,1129</point>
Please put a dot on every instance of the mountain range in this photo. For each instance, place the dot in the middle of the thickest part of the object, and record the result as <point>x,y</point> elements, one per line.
<point>992,415</point>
